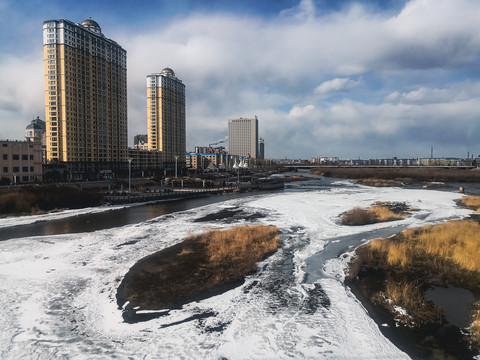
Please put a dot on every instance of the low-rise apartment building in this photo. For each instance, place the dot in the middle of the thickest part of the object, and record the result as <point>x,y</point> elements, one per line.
<point>20,161</point>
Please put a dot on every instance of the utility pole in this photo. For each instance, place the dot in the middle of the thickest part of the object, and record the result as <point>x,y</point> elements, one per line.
<point>129,174</point>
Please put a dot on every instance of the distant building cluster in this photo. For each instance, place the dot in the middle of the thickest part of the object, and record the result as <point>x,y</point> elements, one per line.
<point>140,142</point>
<point>85,132</point>
<point>335,161</point>
<point>245,148</point>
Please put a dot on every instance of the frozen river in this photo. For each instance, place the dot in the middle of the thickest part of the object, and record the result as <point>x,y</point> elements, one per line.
<point>57,292</point>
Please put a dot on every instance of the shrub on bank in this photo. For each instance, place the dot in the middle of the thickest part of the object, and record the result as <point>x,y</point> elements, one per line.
<point>379,212</point>
<point>455,242</point>
<point>35,199</point>
<point>471,202</point>
<point>379,182</point>
<point>406,301</point>
<point>435,174</point>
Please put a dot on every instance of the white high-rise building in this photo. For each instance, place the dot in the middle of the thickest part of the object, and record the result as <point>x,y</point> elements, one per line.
<point>243,137</point>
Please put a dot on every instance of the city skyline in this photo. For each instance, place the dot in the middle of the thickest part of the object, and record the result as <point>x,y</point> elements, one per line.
<point>334,78</point>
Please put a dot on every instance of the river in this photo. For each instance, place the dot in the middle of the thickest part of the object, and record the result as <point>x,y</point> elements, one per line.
<point>59,274</point>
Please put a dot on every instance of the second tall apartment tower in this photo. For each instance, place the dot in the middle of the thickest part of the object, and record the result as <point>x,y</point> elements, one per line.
<point>166,117</point>
<point>85,95</point>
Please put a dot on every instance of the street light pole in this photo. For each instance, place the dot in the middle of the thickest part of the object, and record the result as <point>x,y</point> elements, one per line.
<point>176,159</point>
<point>129,174</point>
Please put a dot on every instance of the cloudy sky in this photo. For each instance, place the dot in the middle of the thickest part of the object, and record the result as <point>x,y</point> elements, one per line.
<point>368,79</point>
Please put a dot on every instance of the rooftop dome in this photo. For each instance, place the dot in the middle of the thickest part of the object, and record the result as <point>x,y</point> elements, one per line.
<point>36,124</point>
<point>167,70</point>
<point>33,126</point>
<point>92,25</point>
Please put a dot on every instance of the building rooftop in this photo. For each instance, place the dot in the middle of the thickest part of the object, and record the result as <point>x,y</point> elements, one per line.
<point>167,70</point>
<point>92,25</point>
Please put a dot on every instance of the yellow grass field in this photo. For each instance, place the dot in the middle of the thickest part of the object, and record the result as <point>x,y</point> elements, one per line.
<point>458,241</point>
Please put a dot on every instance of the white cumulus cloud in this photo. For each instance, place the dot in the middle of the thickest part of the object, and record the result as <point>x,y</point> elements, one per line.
<point>336,85</point>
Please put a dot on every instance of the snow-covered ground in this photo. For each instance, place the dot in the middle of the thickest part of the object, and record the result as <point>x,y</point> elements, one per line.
<point>57,293</point>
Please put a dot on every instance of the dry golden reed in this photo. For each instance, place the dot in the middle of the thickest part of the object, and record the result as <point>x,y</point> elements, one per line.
<point>471,201</point>
<point>409,296</point>
<point>374,214</point>
<point>232,244</point>
<point>237,250</point>
<point>383,213</point>
<point>457,241</point>
<point>379,182</point>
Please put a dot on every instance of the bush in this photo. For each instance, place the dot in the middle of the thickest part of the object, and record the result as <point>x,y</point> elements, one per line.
<point>409,297</point>
<point>358,216</point>
<point>32,199</point>
<point>380,212</point>
<point>471,202</point>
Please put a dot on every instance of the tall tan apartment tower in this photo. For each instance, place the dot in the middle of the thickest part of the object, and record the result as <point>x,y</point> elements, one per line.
<point>85,96</point>
<point>166,117</point>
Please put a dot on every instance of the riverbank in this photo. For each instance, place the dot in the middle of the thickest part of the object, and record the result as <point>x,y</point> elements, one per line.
<point>26,200</point>
<point>392,276</point>
<point>402,174</point>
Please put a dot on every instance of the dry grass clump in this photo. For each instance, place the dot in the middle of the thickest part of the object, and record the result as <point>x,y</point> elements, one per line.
<point>237,250</point>
<point>455,242</point>
<point>383,213</point>
<point>358,216</point>
<point>471,202</point>
<point>197,267</point>
<point>475,327</point>
<point>379,212</point>
<point>379,182</point>
<point>408,296</point>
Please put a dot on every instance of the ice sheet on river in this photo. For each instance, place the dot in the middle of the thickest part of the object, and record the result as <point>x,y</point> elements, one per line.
<point>58,292</point>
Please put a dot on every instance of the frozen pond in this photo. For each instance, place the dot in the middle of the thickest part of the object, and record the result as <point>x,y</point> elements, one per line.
<point>58,291</point>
